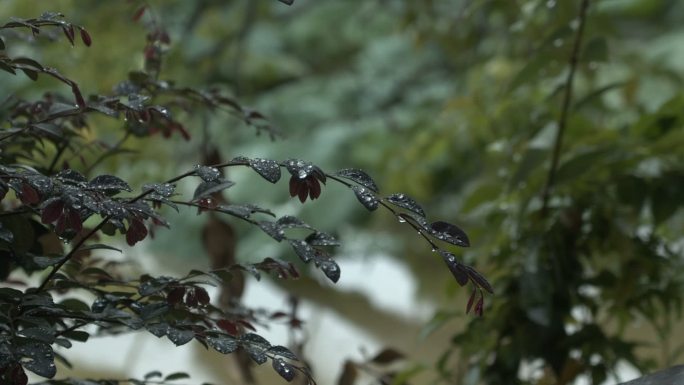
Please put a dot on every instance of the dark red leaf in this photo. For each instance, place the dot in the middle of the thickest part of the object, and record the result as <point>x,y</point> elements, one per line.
<point>18,376</point>
<point>191,298</point>
<point>61,225</point>
<point>139,12</point>
<point>471,300</point>
<point>85,36</point>
<point>52,212</point>
<point>479,306</point>
<point>314,187</point>
<point>202,296</point>
<point>349,374</point>
<point>247,325</point>
<point>387,356</point>
<point>77,94</point>
<point>176,295</point>
<point>278,314</point>
<point>136,232</point>
<point>294,185</point>
<point>73,219</point>
<point>228,326</point>
<point>163,37</point>
<point>303,191</point>
<point>28,196</point>
<point>479,279</point>
<point>69,33</point>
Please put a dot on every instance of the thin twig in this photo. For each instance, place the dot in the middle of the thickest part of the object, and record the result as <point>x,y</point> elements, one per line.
<point>565,108</point>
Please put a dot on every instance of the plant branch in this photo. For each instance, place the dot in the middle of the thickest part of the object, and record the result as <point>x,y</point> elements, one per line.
<point>565,108</point>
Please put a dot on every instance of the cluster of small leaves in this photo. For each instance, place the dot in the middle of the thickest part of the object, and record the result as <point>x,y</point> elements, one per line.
<point>56,201</point>
<point>32,68</point>
<point>151,378</point>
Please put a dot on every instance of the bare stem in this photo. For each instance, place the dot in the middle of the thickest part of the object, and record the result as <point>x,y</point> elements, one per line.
<point>565,108</point>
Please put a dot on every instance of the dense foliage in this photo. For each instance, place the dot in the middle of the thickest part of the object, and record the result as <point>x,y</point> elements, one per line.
<point>551,130</point>
<point>55,215</point>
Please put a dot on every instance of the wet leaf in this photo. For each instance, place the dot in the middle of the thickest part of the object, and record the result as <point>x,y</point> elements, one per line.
<point>28,195</point>
<point>458,269</point>
<point>406,202</point>
<point>39,358</point>
<point>284,369</point>
<point>153,286</point>
<point>257,356</point>
<point>367,198</point>
<point>165,190</point>
<point>206,189</point>
<point>330,268</point>
<point>42,334</point>
<point>479,279</point>
<point>158,330</point>
<point>289,221</point>
<point>283,351</point>
<point>267,168</point>
<point>449,233</point>
<point>52,211</point>
<point>222,343</point>
<point>255,340</point>
<point>109,183</point>
<point>320,238</point>
<point>208,174</point>
<point>242,211</point>
<point>179,336</point>
<point>301,170</point>
<point>136,232</point>
<point>272,229</point>
<point>305,252</point>
<point>358,176</point>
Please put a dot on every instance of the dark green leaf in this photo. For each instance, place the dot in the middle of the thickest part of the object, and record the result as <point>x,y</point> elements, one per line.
<point>176,376</point>
<point>284,369</point>
<point>404,201</point>
<point>367,198</point>
<point>222,343</point>
<point>267,168</point>
<point>206,189</point>
<point>358,176</point>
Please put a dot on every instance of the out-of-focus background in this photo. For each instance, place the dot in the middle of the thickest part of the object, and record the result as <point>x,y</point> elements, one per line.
<point>455,103</point>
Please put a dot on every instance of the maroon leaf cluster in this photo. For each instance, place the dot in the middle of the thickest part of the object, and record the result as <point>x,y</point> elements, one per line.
<point>190,295</point>
<point>67,218</point>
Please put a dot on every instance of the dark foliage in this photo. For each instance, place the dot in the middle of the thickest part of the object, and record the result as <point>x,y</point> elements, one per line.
<point>57,201</point>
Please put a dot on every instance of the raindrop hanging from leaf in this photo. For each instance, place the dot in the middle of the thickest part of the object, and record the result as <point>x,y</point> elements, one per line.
<point>284,369</point>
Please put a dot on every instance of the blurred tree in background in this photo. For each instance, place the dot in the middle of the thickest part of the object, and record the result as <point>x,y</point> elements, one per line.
<point>550,129</point>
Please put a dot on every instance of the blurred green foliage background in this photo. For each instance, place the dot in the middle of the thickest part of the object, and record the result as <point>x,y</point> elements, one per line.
<point>456,103</point>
